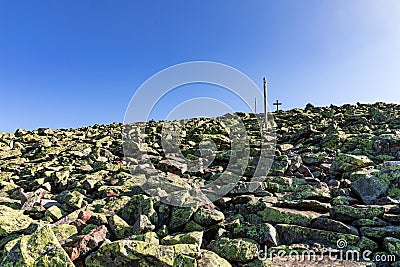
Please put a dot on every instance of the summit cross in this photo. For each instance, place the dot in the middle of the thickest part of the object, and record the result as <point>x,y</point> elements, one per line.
<point>277,104</point>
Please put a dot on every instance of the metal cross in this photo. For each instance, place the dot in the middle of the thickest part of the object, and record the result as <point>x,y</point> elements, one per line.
<point>277,104</point>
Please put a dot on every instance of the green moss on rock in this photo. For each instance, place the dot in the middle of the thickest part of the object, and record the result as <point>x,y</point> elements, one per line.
<point>119,227</point>
<point>292,234</point>
<point>207,217</point>
<point>180,216</point>
<point>348,213</point>
<point>237,250</point>
<point>183,238</point>
<point>276,215</point>
<point>139,205</point>
<point>264,234</point>
<point>64,232</point>
<point>12,220</point>
<point>39,249</point>
<point>209,258</point>
<point>131,252</point>
<point>347,162</point>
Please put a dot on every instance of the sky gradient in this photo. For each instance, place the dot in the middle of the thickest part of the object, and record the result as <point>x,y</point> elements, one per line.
<point>65,64</point>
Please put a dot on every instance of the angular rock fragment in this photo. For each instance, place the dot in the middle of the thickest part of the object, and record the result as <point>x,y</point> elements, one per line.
<point>84,244</point>
<point>392,245</point>
<point>119,227</point>
<point>207,217</point>
<point>380,232</point>
<point>327,224</point>
<point>139,253</point>
<point>209,258</point>
<point>348,213</point>
<point>348,162</point>
<point>263,234</point>
<point>142,225</point>
<point>292,234</point>
<point>275,215</point>
<point>139,205</point>
<point>183,238</point>
<point>38,249</point>
<point>180,216</point>
<point>236,250</point>
<point>12,221</point>
<point>369,189</point>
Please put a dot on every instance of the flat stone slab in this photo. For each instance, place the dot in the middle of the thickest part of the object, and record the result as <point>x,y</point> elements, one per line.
<point>349,213</point>
<point>292,234</point>
<point>275,215</point>
<point>381,232</point>
<point>391,163</point>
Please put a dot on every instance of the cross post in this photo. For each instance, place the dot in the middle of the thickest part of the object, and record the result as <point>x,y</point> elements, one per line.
<point>277,104</point>
<point>265,104</point>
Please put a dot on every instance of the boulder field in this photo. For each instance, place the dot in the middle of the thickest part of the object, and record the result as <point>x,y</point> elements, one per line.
<point>69,197</point>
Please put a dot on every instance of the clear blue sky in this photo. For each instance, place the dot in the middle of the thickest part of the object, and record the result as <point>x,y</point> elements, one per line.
<point>72,63</point>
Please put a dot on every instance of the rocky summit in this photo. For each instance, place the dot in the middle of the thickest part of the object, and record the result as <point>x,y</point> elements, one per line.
<point>70,197</point>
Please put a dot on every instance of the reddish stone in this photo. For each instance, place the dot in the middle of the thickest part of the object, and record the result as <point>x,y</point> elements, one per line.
<point>85,215</point>
<point>84,244</point>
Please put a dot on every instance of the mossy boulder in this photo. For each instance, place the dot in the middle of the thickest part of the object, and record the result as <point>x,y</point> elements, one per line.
<point>184,261</point>
<point>142,225</point>
<point>183,238</point>
<point>71,200</point>
<point>210,258</point>
<point>38,249</point>
<point>324,223</point>
<point>134,253</point>
<point>264,234</point>
<point>275,215</point>
<point>292,234</point>
<point>306,191</point>
<point>392,245</point>
<point>113,206</point>
<point>367,244</point>
<point>334,139</point>
<point>381,232</point>
<point>237,250</point>
<point>149,237</point>
<point>369,188</point>
<point>8,154</point>
<point>54,213</point>
<point>64,232</point>
<point>279,166</point>
<point>347,162</point>
<point>365,172</point>
<point>207,217</point>
<point>343,200</point>
<point>12,221</point>
<point>349,213</point>
<point>369,222</point>
<point>119,227</point>
<point>180,216</point>
<point>391,175</point>
<point>139,205</point>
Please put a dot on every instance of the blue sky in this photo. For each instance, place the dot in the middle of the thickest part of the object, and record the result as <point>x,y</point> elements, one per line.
<point>72,63</point>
